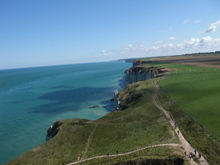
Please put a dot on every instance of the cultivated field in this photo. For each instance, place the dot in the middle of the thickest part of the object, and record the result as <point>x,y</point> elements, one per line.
<point>206,60</point>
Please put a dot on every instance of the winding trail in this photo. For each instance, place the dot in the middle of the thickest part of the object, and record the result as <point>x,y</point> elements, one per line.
<point>185,144</point>
<point>187,147</point>
<point>104,156</point>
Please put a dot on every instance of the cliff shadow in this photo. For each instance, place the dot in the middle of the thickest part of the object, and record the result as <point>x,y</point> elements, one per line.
<point>121,82</point>
<point>60,101</point>
<point>108,105</point>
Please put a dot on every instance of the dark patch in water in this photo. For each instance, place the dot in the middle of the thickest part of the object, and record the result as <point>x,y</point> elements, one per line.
<point>16,102</point>
<point>69,100</point>
<point>62,86</point>
<point>108,105</point>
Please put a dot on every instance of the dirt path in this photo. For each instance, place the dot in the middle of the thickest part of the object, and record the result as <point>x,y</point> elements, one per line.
<point>103,156</point>
<point>187,147</point>
<point>89,141</point>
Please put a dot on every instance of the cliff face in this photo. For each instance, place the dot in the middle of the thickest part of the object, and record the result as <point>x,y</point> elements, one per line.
<point>139,73</point>
<point>117,101</point>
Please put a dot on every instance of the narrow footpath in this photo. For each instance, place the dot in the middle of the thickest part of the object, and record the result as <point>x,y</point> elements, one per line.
<point>103,156</point>
<point>187,147</point>
<point>89,141</point>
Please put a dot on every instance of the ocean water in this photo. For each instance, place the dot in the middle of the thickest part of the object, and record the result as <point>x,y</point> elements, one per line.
<point>31,99</point>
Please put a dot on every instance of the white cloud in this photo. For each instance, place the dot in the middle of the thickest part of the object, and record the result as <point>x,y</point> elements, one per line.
<point>186,21</point>
<point>158,42</point>
<point>104,52</point>
<point>197,21</point>
<point>171,38</point>
<point>216,24</point>
<point>213,27</point>
<point>206,44</point>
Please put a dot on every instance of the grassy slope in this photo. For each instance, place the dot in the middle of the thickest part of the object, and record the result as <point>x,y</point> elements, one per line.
<point>140,125</point>
<point>140,156</point>
<point>199,98</point>
<point>199,137</point>
<point>59,149</point>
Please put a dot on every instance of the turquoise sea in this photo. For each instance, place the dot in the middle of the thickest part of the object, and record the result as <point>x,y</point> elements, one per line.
<point>31,99</point>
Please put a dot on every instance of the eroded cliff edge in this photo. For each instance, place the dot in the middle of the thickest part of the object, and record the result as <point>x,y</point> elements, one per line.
<point>141,73</point>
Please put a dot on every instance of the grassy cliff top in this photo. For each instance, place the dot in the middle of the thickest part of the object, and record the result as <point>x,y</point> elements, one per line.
<point>140,125</point>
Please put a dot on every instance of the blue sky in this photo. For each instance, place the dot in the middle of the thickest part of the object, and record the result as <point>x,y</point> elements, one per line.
<point>54,32</point>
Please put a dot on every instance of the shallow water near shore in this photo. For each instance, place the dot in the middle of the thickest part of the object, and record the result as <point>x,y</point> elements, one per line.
<point>31,99</point>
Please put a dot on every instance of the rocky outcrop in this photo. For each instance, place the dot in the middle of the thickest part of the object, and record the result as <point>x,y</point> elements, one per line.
<point>135,74</point>
<point>52,130</point>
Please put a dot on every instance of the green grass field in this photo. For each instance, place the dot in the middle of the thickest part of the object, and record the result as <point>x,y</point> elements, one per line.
<point>199,98</point>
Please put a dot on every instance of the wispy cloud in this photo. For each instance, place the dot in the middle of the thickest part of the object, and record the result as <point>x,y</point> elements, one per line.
<point>104,52</point>
<point>197,21</point>
<point>205,44</point>
<point>213,27</point>
<point>186,21</point>
<point>158,42</point>
<point>171,38</point>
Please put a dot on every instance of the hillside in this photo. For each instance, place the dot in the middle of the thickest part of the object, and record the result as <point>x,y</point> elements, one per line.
<point>140,133</point>
<point>140,125</point>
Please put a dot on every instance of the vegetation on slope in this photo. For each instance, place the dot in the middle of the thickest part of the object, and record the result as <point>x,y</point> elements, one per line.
<point>191,95</point>
<point>139,125</point>
<point>196,90</point>
<point>199,137</point>
<point>72,136</point>
<point>159,155</point>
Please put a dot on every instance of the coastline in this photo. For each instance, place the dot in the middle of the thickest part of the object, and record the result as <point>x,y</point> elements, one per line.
<point>45,91</point>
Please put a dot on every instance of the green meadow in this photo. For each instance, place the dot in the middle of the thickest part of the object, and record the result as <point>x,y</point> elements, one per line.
<point>197,91</point>
<point>139,125</point>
